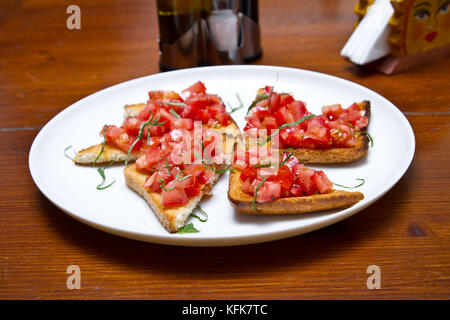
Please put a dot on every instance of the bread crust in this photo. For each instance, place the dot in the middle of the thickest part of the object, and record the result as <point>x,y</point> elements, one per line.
<point>335,155</point>
<point>242,201</point>
<point>110,153</point>
<point>172,218</point>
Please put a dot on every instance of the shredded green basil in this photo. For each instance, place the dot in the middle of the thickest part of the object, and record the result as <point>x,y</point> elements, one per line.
<point>179,104</point>
<point>287,158</point>
<point>163,185</point>
<point>173,112</point>
<point>189,228</point>
<point>258,99</point>
<point>359,185</point>
<point>256,194</point>
<point>284,126</point>
<point>202,212</point>
<point>241,104</point>
<point>167,165</point>
<point>148,123</point>
<point>101,171</point>
<point>265,165</point>
<point>222,170</point>
<point>103,145</point>
<point>65,152</point>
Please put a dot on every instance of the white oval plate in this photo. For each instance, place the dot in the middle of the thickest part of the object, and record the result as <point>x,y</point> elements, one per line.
<point>120,211</point>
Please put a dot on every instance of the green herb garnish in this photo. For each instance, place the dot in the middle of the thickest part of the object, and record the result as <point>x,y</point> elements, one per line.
<point>258,99</point>
<point>173,112</point>
<point>185,177</point>
<point>101,171</point>
<point>287,158</point>
<point>202,212</point>
<point>178,104</point>
<point>241,104</point>
<point>209,166</point>
<point>284,126</point>
<point>65,152</point>
<point>167,165</point>
<point>359,185</point>
<point>265,165</point>
<point>189,228</point>
<point>163,185</point>
<point>103,145</point>
<point>256,194</point>
<point>148,123</point>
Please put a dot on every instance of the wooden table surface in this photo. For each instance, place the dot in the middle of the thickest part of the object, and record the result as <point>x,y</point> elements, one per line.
<point>44,67</point>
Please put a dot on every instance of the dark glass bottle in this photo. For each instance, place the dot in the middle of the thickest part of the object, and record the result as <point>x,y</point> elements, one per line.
<point>185,40</point>
<point>176,17</point>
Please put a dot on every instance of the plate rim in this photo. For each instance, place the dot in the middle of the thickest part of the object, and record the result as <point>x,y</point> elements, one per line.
<point>187,240</point>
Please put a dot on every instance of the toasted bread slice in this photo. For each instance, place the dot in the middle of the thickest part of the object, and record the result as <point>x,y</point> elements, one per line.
<point>110,153</point>
<point>335,155</point>
<point>88,155</point>
<point>172,218</point>
<point>295,205</point>
<point>338,155</point>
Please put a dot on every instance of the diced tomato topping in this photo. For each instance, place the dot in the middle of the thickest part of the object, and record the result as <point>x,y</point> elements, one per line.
<point>274,101</point>
<point>270,123</point>
<point>119,138</point>
<point>186,124</point>
<point>286,99</point>
<point>314,133</point>
<point>297,109</point>
<point>156,134</point>
<point>291,179</point>
<point>174,197</point>
<point>194,89</point>
<point>305,181</point>
<point>285,177</point>
<point>152,155</point>
<point>269,191</point>
<point>248,173</point>
<point>324,185</point>
<point>332,112</point>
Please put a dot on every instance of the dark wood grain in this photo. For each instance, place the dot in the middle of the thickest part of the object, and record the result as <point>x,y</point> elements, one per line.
<point>44,68</point>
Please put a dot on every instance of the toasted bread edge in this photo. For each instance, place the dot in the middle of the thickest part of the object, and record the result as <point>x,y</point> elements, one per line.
<point>295,205</point>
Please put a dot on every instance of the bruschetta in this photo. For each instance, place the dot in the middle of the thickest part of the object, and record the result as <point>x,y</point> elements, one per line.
<point>163,112</point>
<point>285,188</point>
<point>338,135</point>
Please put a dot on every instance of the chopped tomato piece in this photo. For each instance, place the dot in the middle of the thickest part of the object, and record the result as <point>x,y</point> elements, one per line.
<point>174,197</point>
<point>324,185</point>
<point>305,181</point>
<point>248,173</point>
<point>274,101</point>
<point>297,109</point>
<point>186,124</point>
<point>286,99</point>
<point>270,123</point>
<point>268,191</point>
<point>285,177</point>
<point>332,112</point>
<point>194,89</point>
<point>314,133</point>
